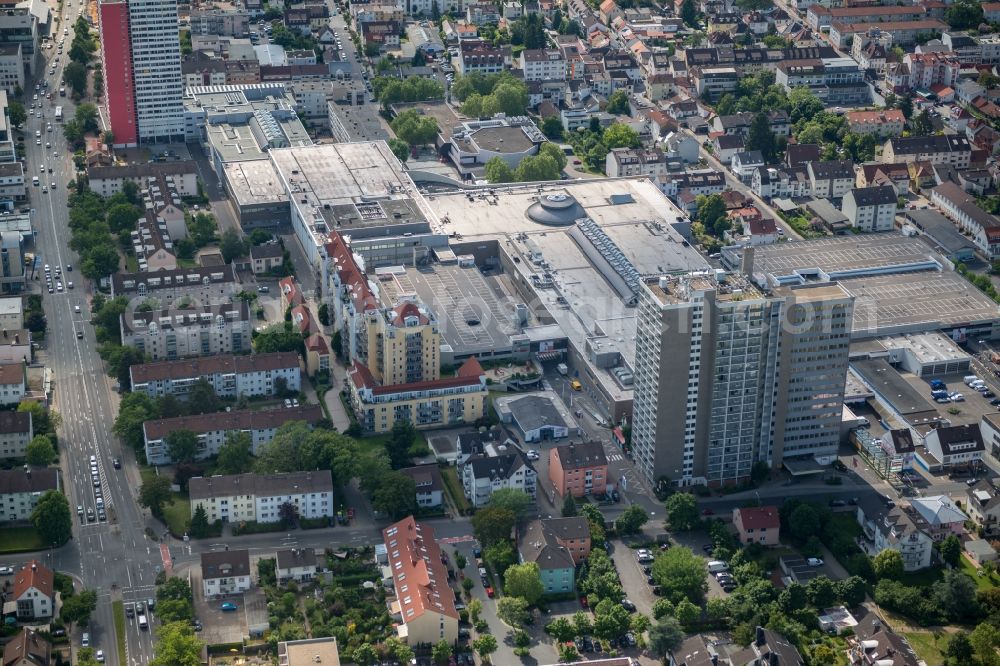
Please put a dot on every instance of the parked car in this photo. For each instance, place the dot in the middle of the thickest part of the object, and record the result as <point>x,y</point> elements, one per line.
<point>6,571</point>
<point>228,606</point>
<point>814,562</point>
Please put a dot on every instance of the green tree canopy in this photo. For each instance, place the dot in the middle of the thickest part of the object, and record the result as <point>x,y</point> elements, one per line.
<point>497,170</point>
<point>631,520</point>
<point>682,512</point>
<point>182,445</point>
<point>177,645</point>
<point>52,518</point>
<point>619,135</point>
<point>77,608</point>
<point>492,524</point>
<point>235,454</point>
<point>414,128</point>
<point>888,564</point>
<point>524,581</point>
<point>40,452</point>
<point>681,574</point>
<point>154,493</point>
<point>618,103</point>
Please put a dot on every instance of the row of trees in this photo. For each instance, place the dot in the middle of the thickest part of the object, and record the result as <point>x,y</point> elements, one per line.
<point>483,95</point>
<point>391,90</point>
<point>546,165</point>
<point>593,144</point>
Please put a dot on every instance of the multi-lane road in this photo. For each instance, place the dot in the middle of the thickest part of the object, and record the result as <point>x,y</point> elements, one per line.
<point>113,557</point>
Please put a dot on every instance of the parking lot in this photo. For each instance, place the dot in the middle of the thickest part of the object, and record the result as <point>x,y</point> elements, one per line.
<point>221,626</point>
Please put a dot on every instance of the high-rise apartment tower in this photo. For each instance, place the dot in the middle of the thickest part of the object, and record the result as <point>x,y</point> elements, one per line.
<point>141,56</point>
<point>726,376</point>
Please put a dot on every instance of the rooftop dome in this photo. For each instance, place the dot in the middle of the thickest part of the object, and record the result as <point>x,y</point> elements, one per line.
<point>556,210</point>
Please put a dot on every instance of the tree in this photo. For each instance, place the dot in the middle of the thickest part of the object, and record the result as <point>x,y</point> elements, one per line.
<point>485,645</point>
<point>951,550</point>
<point>75,76</point>
<point>666,635</point>
<point>176,645</point>
<point>689,13</point>
<point>182,445</point>
<point>552,128</point>
<point>441,651</point>
<point>761,137</point>
<point>232,245</point>
<point>985,639</point>
<point>888,564</point>
<point>365,655</point>
<point>401,439</point>
<point>987,79</point>
<point>610,619</point>
<point>582,623</point>
<point>175,610</point>
<point>537,167</point>
<point>681,574</point>
<point>851,591</point>
<point>199,527</point>
<point>76,609</point>
<point>512,611</point>
<point>414,128</point>
<point>99,262</point>
<point>561,629</point>
<point>492,524</point>
<point>803,522</point>
<point>40,452</point>
<point>400,149</point>
<point>86,115</point>
<point>964,15</point>
<point>517,501</point>
<point>235,454</point>
<point>119,360</point>
<point>821,592</point>
<point>682,511</point>
<point>52,519</point>
<point>16,113</point>
<point>134,410</point>
<point>631,520</point>
<point>955,594</point>
<point>202,398</point>
<point>497,170</point>
<point>922,125</point>
<point>525,581</point>
<point>687,613</point>
<point>619,135</point>
<point>959,650</point>
<point>618,103</point>
<point>803,104</point>
<point>396,495</point>
<point>122,217</point>
<point>569,506</point>
<point>154,493</point>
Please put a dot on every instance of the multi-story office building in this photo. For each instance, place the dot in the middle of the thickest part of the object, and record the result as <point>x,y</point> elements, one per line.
<point>181,333</point>
<point>7,152</point>
<point>11,67</point>
<point>229,376</point>
<point>243,497</point>
<point>142,70</point>
<point>833,80</point>
<point>727,376</point>
<point>214,429</point>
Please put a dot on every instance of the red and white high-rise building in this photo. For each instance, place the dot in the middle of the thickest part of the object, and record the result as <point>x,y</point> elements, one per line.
<point>141,56</point>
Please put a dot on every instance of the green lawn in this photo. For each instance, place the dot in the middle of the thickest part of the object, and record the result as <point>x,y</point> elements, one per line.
<point>922,578</point>
<point>982,582</point>
<point>177,514</point>
<point>454,488</point>
<point>929,646</point>
<point>118,608</point>
<point>20,540</point>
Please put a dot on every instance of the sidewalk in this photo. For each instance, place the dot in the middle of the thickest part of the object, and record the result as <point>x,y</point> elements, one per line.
<point>338,413</point>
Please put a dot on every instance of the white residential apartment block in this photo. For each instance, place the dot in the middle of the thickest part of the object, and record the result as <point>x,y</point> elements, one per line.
<point>156,66</point>
<point>214,429</point>
<point>899,529</point>
<point>242,497</point>
<point>229,376</point>
<point>871,208</point>
<point>636,162</point>
<point>726,376</point>
<point>12,383</point>
<point>20,490</point>
<point>484,474</point>
<point>543,65</point>
<point>16,430</point>
<point>172,334</point>
<point>225,572</point>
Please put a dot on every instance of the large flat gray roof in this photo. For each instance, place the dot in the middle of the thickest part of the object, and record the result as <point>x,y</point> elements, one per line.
<point>868,252</point>
<point>254,182</point>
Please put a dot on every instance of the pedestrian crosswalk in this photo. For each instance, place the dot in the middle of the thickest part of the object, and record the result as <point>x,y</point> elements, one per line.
<point>457,539</point>
<point>612,457</point>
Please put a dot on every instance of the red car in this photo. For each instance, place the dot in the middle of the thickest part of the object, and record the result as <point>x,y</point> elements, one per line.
<point>489,592</point>
<point>707,512</point>
<point>583,601</point>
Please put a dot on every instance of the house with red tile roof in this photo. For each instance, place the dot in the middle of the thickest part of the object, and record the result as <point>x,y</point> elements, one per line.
<point>317,354</point>
<point>758,524</point>
<point>424,607</point>
<point>34,592</point>
<point>291,295</point>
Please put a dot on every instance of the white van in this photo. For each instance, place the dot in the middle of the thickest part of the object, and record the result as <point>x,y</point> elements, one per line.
<point>970,380</point>
<point>143,624</point>
<point>34,181</point>
<point>715,566</point>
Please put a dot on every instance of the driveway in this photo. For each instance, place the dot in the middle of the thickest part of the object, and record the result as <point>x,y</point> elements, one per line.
<point>219,626</point>
<point>637,590</point>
